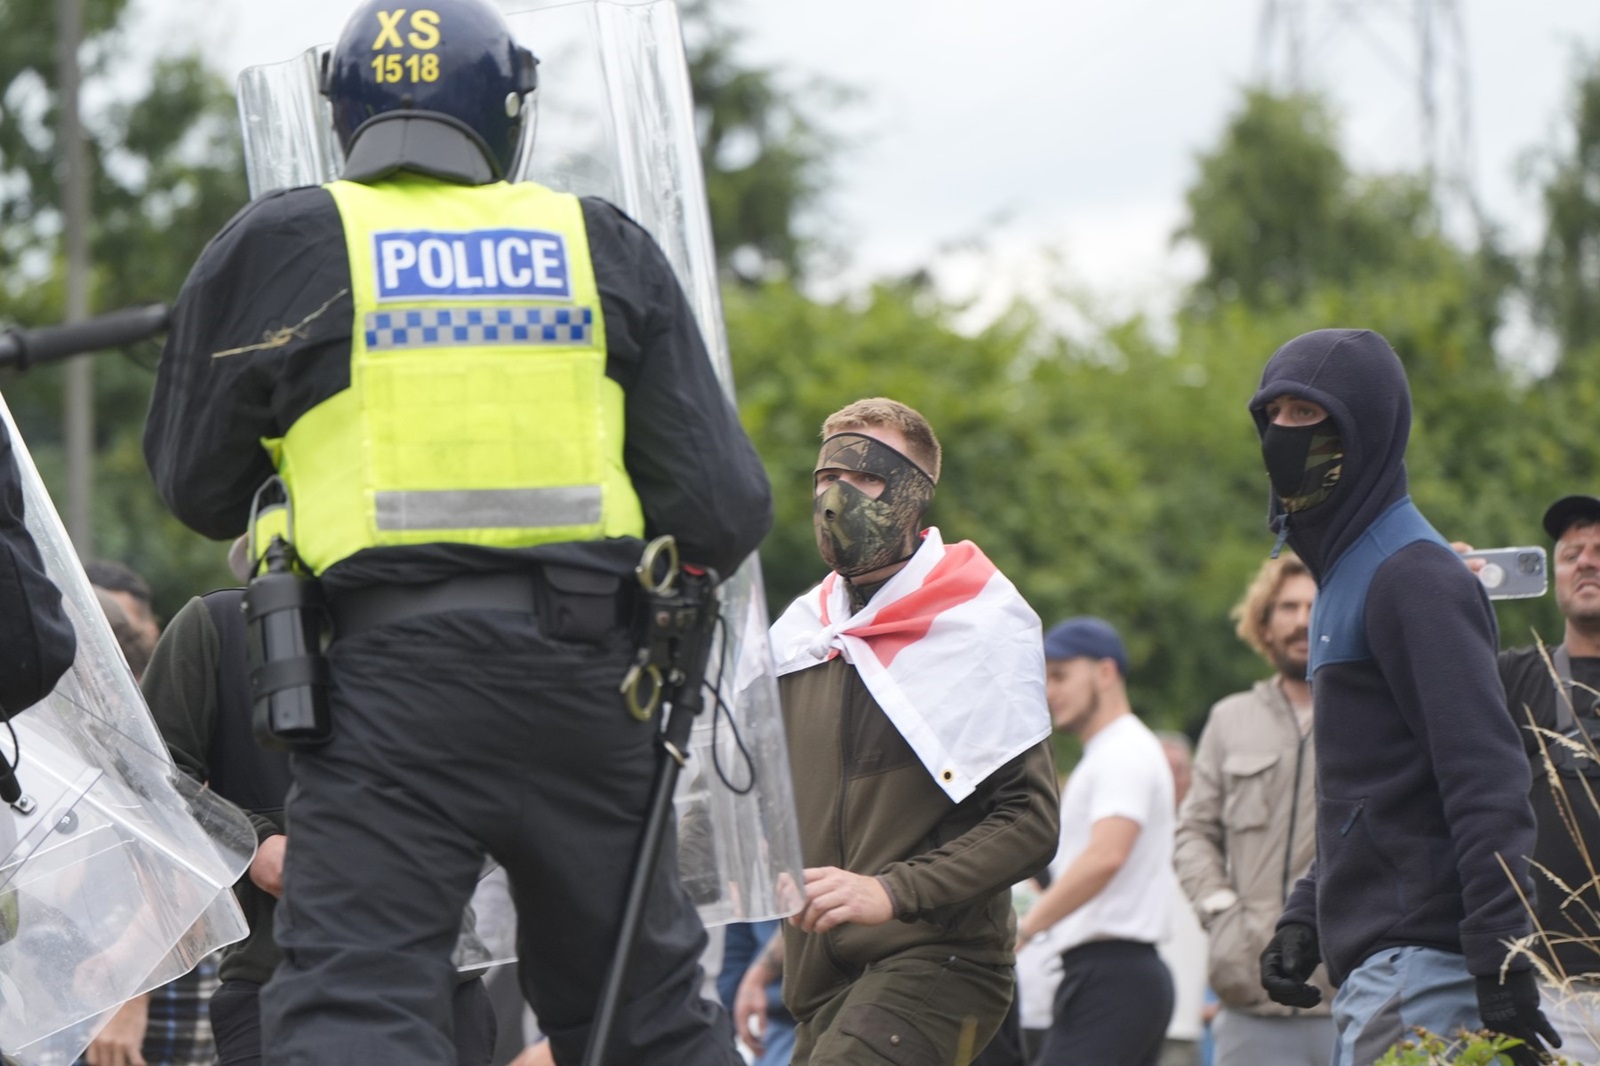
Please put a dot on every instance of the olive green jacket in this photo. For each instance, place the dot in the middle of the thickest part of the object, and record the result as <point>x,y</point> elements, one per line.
<point>866,804</point>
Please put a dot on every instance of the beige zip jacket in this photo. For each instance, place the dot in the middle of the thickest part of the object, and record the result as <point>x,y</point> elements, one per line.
<point>1246,832</point>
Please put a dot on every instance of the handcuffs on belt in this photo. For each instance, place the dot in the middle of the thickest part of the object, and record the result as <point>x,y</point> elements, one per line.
<point>679,615</point>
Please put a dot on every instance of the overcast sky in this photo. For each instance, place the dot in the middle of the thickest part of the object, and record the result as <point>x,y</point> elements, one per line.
<point>1065,130</point>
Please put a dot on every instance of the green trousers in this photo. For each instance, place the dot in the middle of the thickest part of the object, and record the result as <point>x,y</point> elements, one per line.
<point>908,1012</point>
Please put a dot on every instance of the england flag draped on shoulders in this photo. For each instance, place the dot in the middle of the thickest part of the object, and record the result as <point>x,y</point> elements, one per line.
<point>948,648</point>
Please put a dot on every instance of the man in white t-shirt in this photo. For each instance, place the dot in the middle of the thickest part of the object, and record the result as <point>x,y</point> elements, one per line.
<point>1110,894</point>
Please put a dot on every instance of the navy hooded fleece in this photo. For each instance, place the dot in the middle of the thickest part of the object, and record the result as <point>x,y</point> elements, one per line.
<point>1422,785</point>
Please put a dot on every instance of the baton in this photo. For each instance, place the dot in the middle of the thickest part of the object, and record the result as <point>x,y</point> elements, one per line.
<point>23,348</point>
<point>682,614</point>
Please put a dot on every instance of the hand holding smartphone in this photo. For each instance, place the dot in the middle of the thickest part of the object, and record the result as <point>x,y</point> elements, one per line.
<point>1512,573</point>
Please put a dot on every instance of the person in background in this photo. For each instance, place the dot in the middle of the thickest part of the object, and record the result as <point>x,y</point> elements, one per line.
<point>130,589</point>
<point>1553,690</point>
<point>130,638</point>
<point>1248,829</point>
<point>1110,895</point>
<point>742,943</point>
<point>1038,972</point>
<point>169,1025</point>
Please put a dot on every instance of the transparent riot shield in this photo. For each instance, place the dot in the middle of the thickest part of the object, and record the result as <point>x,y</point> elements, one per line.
<point>116,870</point>
<point>616,120</point>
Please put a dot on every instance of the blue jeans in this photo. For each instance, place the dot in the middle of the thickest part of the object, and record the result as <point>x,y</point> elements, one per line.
<point>778,1041</point>
<point>1395,991</point>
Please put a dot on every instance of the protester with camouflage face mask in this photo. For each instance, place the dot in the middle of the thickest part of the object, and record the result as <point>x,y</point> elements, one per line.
<point>912,680</point>
<point>869,506</point>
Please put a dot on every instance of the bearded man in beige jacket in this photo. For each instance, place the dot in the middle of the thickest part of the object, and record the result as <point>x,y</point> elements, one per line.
<point>1246,831</point>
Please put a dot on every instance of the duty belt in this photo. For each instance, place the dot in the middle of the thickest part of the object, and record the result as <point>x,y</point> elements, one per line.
<point>551,593</point>
<point>377,605</point>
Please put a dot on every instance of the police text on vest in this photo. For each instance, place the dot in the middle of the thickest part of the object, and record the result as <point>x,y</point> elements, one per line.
<point>476,263</point>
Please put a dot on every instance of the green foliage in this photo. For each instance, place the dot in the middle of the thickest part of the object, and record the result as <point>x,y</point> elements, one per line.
<point>28,78</point>
<point>764,154</point>
<point>1084,473</point>
<point>1468,1049</point>
<point>167,173</point>
<point>1120,474</point>
<point>1566,273</point>
<point>1279,214</point>
<point>1266,203</point>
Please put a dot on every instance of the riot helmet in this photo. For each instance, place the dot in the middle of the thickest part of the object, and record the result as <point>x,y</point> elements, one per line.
<point>453,60</point>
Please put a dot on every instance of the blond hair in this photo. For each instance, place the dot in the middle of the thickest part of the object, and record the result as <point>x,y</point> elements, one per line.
<point>1251,613</point>
<point>879,412</point>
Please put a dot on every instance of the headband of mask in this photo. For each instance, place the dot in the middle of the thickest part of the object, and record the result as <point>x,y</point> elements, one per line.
<point>869,455</point>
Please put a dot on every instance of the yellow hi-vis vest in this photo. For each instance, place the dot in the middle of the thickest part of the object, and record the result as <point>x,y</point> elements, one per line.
<point>478,411</point>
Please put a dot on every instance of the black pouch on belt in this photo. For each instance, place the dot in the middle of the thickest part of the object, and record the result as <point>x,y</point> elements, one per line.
<point>574,604</point>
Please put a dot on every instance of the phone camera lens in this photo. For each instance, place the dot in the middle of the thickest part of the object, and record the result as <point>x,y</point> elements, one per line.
<point>1528,563</point>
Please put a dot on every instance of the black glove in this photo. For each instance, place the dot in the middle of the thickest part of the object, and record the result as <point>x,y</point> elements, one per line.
<point>1512,1008</point>
<point>1290,958</point>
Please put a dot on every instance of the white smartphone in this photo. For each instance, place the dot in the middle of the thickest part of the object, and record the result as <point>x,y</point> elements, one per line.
<point>1513,573</point>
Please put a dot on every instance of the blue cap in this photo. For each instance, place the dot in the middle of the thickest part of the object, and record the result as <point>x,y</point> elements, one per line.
<point>1084,635</point>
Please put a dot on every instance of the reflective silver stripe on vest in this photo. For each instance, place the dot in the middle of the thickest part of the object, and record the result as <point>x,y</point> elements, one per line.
<point>572,505</point>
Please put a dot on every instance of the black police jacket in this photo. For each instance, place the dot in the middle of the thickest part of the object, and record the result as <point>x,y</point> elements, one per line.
<point>37,642</point>
<point>282,262</point>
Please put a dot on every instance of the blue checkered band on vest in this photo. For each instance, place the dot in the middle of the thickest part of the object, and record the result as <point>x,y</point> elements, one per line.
<point>478,327</point>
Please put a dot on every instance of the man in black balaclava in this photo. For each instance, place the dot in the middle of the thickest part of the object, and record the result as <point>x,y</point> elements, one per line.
<point>1422,783</point>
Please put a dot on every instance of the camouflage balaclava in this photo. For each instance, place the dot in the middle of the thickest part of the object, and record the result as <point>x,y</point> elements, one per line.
<point>1303,462</point>
<point>857,534</point>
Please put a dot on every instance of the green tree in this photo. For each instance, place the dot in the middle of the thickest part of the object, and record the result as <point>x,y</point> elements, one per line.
<point>764,153</point>
<point>167,173</point>
<point>28,79</point>
<point>1267,200</point>
<point>1566,268</point>
<point>1278,212</point>
<point>1118,472</point>
<point>1113,478</point>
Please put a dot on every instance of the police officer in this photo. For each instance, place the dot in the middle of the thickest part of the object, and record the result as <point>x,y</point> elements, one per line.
<point>480,396</point>
<point>37,642</point>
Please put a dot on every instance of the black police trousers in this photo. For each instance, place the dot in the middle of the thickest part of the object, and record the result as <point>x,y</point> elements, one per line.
<point>235,1011</point>
<point>455,735</point>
